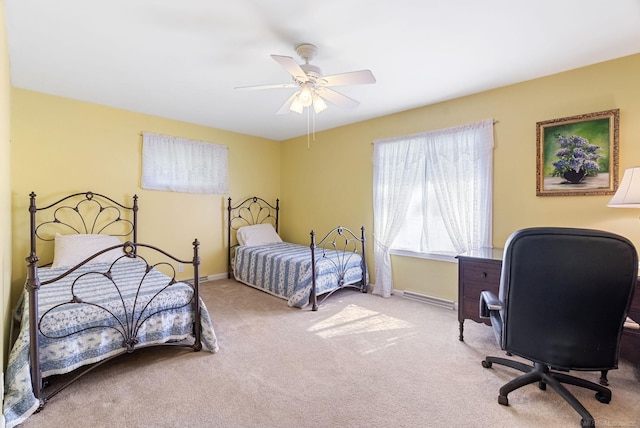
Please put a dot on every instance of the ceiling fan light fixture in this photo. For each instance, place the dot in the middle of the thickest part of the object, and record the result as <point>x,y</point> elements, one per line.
<point>313,88</point>
<point>318,103</point>
<point>296,105</point>
<point>305,96</point>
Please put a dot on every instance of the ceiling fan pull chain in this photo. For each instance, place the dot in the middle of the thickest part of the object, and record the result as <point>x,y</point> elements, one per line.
<point>313,125</point>
<point>308,142</point>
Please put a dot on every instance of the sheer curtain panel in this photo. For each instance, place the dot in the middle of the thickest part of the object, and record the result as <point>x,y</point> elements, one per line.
<point>181,165</point>
<point>450,172</point>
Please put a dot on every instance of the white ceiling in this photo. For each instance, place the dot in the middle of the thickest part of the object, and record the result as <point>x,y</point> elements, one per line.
<point>183,59</point>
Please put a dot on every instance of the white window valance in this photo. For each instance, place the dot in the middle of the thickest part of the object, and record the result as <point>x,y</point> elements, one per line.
<point>181,165</point>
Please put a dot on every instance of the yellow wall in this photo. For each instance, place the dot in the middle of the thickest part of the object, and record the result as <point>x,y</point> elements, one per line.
<point>60,146</point>
<point>331,182</point>
<point>5,188</point>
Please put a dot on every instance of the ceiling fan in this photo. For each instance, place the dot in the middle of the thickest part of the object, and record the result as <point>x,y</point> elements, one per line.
<point>313,87</point>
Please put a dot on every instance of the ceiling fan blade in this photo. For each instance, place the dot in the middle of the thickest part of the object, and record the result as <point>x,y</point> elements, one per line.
<point>285,107</point>
<point>349,78</point>
<point>292,67</point>
<point>273,86</point>
<point>337,98</point>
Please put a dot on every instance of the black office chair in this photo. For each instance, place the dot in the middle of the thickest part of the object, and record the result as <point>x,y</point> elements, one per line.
<point>564,296</point>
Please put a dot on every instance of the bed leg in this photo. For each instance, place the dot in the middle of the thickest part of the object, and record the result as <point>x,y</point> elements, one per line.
<point>32,287</point>
<point>313,298</point>
<point>365,275</point>
<point>197,346</point>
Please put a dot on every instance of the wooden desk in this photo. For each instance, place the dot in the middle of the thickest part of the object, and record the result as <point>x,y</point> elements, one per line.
<point>480,270</point>
<point>630,341</point>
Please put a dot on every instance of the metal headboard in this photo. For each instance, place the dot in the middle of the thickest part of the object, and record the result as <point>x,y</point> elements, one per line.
<point>86,212</point>
<point>253,210</point>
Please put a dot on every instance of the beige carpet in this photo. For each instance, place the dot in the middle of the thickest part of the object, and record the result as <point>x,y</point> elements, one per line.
<point>360,361</point>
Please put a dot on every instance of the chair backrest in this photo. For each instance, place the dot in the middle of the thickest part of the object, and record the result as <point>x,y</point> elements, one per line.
<point>566,293</point>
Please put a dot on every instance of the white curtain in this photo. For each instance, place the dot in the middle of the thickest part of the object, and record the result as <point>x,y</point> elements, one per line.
<point>393,182</point>
<point>458,163</point>
<point>182,165</point>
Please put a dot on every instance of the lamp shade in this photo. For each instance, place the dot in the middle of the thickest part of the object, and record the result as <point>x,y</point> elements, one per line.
<point>296,105</point>
<point>628,193</point>
<point>318,103</point>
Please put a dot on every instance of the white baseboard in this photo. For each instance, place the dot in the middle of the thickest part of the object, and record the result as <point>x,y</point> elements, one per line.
<point>217,276</point>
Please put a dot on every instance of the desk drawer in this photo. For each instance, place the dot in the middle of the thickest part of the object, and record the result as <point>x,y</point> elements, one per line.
<point>481,273</point>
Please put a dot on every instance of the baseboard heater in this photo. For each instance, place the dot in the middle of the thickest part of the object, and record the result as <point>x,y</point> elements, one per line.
<point>200,279</point>
<point>437,301</point>
<point>206,278</point>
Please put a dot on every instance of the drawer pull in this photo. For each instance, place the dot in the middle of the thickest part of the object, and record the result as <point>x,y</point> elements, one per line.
<point>483,275</point>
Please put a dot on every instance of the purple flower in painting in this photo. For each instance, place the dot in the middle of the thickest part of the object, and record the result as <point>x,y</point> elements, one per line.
<point>575,154</point>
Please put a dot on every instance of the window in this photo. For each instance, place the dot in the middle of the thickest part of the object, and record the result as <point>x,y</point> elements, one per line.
<point>432,194</point>
<point>414,235</point>
<point>181,165</point>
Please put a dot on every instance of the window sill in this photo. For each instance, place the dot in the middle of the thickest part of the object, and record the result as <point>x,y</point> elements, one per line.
<point>443,257</point>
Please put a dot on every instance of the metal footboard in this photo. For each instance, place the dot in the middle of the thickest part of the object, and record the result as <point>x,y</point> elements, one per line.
<point>343,245</point>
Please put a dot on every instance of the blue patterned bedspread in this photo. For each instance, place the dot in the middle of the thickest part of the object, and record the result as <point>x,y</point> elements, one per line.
<point>75,334</point>
<point>284,270</point>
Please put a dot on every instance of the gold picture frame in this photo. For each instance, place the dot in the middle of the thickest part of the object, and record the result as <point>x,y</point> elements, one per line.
<point>578,155</point>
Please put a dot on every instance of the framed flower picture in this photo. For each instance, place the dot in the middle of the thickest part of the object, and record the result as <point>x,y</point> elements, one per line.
<point>578,155</point>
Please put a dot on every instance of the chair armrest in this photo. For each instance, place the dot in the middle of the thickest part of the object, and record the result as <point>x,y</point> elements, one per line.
<point>488,303</point>
<point>629,323</point>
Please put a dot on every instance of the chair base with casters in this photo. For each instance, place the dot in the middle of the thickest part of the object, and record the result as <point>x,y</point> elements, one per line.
<point>542,374</point>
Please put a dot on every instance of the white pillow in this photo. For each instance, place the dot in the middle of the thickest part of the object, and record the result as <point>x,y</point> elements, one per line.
<point>257,234</point>
<point>69,250</point>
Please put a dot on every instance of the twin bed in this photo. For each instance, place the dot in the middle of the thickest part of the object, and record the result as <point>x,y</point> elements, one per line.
<point>104,294</point>
<point>302,275</point>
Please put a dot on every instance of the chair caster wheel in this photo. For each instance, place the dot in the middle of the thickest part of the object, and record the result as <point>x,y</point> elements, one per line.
<point>587,423</point>
<point>603,398</point>
<point>502,399</point>
<point>486,364</point>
